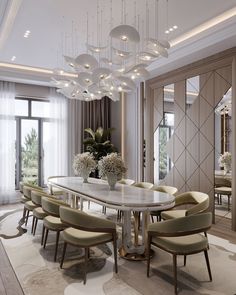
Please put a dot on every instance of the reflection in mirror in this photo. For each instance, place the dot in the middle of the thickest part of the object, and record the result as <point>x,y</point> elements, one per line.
<point>162,135</point>
<point>223,146</point>
<point>192,90</point>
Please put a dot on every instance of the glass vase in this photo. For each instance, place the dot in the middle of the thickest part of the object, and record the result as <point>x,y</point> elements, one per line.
<point>85,175</point>
<point>112,180</point>
<point>227,168</point>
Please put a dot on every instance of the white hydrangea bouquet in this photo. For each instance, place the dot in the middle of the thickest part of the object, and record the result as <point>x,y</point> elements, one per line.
<point>225,161</point>
<point>84,164</point>
<point>112,168</point>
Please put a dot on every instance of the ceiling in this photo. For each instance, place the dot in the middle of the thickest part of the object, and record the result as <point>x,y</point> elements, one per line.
<point>60,27</point>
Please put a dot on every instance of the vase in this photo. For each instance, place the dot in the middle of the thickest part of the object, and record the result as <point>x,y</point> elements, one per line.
<point>85,175</point>
<point>227,168</point>
<point>111,179</point>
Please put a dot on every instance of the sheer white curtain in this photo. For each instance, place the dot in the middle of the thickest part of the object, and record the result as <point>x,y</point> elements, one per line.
<point>56,143</point>
<point>7,142</point>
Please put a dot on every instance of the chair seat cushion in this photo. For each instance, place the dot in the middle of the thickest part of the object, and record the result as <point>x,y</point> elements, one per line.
<point>223,190</point>
<point>39,213</point>
<point>29,205</point>
<point>53,223</point>
<point>182,245</point>
<point>23,199</point>
<point>171,214</point>
<point>84,238</point>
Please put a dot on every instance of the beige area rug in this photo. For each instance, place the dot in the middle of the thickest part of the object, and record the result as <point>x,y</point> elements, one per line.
<point>39,275</point>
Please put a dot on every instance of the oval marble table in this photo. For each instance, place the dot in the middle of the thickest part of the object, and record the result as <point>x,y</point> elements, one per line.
<point>125,198</point>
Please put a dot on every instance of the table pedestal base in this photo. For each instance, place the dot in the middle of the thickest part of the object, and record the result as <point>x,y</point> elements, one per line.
<point>134,256</point>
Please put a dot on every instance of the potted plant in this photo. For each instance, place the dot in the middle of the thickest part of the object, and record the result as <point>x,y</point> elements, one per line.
<point>98,144</point>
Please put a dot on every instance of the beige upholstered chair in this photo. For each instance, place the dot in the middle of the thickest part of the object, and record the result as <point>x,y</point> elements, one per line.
<point>28,204</point>
<point>52,221</point>
<point>147,185</point>
<point>26,193</point>
<point>86,231</point>
<point>52,189</point>
<point>126,181</point>
<point>181,236</point>
<point>163,189</point>
<point>223,187</point>
<point>199,200</point>
<point>38,213</point>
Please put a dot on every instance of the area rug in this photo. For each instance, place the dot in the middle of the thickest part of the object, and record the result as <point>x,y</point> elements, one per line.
<point>39,275</point>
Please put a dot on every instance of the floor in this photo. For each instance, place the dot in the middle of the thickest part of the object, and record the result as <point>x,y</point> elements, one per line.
<point>9,284</point>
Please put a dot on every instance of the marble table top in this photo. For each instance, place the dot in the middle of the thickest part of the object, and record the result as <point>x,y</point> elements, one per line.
<point>123,195</point>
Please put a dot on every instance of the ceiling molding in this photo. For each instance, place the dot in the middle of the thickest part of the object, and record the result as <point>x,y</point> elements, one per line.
<point>8,19</point>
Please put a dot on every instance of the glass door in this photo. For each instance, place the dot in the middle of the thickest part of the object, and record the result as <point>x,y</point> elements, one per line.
<point>29,151</point>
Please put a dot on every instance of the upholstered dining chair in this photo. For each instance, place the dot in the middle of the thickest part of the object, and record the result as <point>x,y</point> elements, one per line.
<point>52,221</point>
<point>86,231</point>
<point>26,193</point>
<point>163,189</point>
<point>126,181</point>
<point>223,187</point>
<point>29,206</point>
<point>181,236</point>
<point>198,200</point>
<point>52,189</point>
<point>147,185</point>
<point>38,212</point>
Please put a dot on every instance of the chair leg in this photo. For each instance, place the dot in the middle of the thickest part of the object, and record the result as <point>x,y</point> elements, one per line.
<point>148,254</point>
<point>85,264</point>
<point>43,232</point>
<point>45,239</point>
<point>57,240</point>
<point>115,252</point>
<point>35,225</point>
<point>27,217</point>
<point>175,272</point>
<point>63,254</point>
<point>152,218</point>
<point>229,202</point>
<point>32,228</point>
<point>185,258</point>
<point>208,264</point>
<point>24,214</point>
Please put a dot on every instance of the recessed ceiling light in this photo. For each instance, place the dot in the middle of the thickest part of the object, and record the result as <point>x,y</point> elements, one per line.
<point>13,58</point>
<point>171,29</point>
<point>167,32</point>
<point>175,27</point>
<point>27,33</point>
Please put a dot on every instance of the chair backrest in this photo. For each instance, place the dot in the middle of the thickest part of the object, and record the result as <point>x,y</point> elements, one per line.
<point>198,199</point>
<point>222,181</point>
<point>182,226</point>
<point>52,206</point>
<point>27,188</point>
<point>147,185</point>
<point>126,181</point>
<point>36,196</point>
<point>165,189</point>
<point>80,220</point>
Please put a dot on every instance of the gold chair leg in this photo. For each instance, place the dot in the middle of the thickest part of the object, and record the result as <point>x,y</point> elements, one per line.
<point>63,254</point>
<point>175,272</point>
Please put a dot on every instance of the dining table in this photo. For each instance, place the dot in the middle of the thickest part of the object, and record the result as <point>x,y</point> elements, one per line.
<point>128,199</point>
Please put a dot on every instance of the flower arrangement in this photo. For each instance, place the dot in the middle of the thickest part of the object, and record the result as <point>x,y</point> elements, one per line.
<point>84,164</point>
<point>111,167</point>
<point>225,160</point>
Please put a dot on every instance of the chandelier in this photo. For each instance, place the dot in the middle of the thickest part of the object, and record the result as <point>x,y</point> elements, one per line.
<point>114,68</point>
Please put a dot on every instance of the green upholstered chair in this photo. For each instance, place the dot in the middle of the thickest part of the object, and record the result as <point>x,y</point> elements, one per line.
<point>199,200</point>
<point>147,185</point>
<point>163,189</point>
<point>29,206</point>
<point>181,236</point>
<point>38,212</point>
<point>126,181</point>
<point>223,187</point>
<point>86,231</point>
<point>52,221</point>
